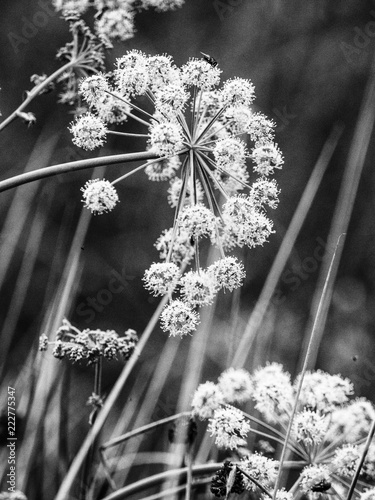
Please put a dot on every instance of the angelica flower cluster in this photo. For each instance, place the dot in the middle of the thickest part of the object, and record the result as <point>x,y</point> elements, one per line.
<point>114,19</point>
<point>203,136</point>
<point>327,433</point>
<point>89,345</point>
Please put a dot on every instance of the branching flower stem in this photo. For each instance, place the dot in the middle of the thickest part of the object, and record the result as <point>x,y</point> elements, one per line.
<point>36,91</point>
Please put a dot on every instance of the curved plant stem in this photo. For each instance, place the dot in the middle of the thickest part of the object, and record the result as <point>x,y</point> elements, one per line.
<point>35,91</point>
<point>72,166</point>
<point>141,430</point>
<point>149,481</point>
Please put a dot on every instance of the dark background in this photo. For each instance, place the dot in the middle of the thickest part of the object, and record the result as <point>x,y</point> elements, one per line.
<point>310,62</point>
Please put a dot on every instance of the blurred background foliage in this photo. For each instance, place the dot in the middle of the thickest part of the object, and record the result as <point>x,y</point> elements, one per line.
<point>310,62</point>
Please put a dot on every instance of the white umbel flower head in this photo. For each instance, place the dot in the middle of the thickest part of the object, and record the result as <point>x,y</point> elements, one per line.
<point>324,392</point>
<point>112,110</point>
<point>178,318</point>
<point>346,460</point>
<point>368,494</point>
<point>267,157</point>
<point>198,289</point>
<point>261,468</point>
<point>315,478</point>
<point>99,196</point>
<point>200,73</point>
<point>161,278</point>
<point>162,72</point>
<point>197,220</point>
<point>171,97</point>
<point>89,132</point>
<point>260,128</point>
<point>162,5</point>
<point>273,392</point>
<point>116,24</point>
<point>207,398</point>
<point>229,151</point>
<point>228,273</point>
<point>131,74</point>
<point>352,421</point>
<point>166,138</point>
<point>238,92</point>
<point>309,427</point>
<point>229,427</point>
<point>284,495</point>
<point>235,384</point>
<point>244,223</point>
<point>265,192</point>
<point>94,88</point>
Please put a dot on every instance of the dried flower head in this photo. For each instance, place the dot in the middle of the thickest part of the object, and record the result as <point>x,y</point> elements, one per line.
<point>90,345</point>
<point>226,481</point>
